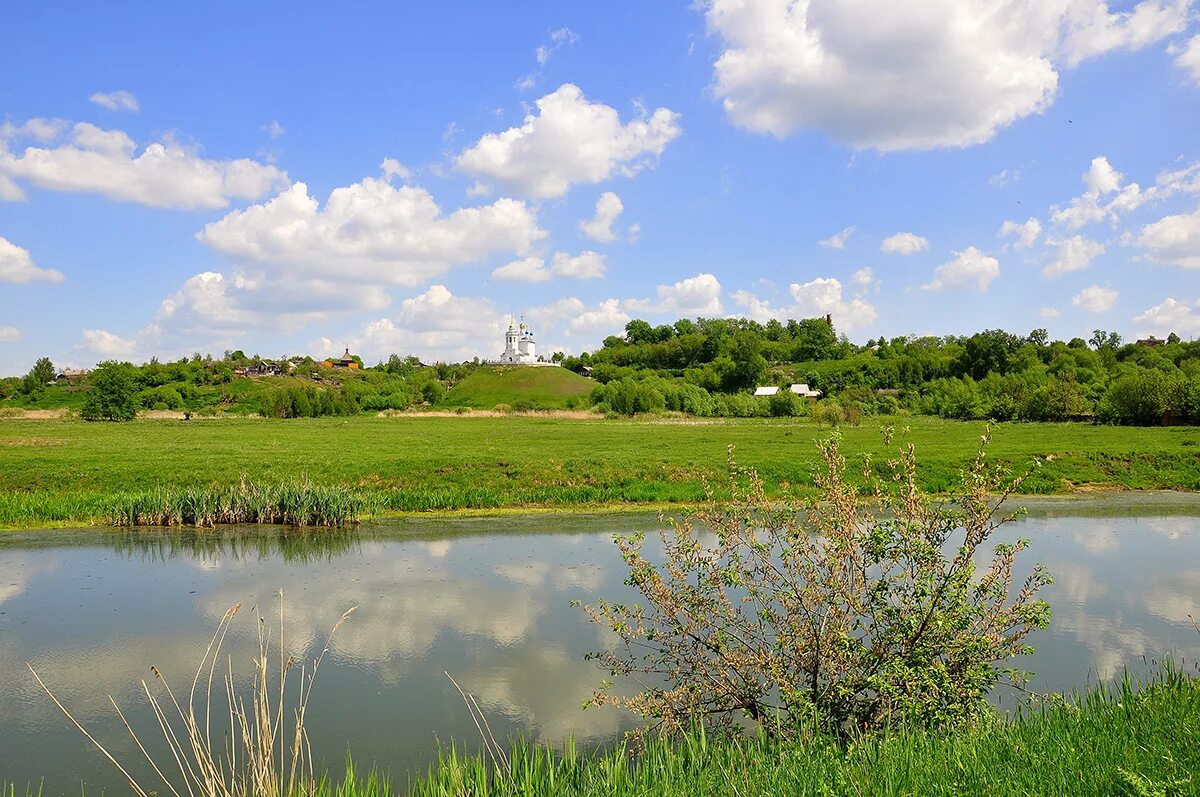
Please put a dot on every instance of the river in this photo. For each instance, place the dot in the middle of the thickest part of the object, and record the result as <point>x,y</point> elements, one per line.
<point>487,600</point>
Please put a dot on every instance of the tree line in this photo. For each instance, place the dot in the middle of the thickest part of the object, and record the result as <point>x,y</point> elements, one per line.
<point>707,367</point>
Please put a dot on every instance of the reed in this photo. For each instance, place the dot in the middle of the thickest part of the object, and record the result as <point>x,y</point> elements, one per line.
<point>264,749</point>
<point>291,503</point>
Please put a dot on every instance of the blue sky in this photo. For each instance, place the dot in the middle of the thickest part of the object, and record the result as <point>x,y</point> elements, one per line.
<point>286,180</point>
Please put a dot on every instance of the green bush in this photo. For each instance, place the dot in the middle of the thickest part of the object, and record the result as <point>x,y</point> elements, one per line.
<point>166,397</point>
<point>628,397</point>
<point>842,620</point>
<point>307,402</point>
<point>829,413</point>
<point>785,404</point>
<point>112,395</point>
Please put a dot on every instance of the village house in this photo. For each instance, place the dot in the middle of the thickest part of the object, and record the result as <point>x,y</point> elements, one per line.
<point>265,368</point>
<point>71,374</point>
<point>345,361</point>
<point>801,389</point>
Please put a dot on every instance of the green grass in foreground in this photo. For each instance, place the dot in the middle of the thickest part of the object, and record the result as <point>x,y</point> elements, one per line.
<point>69,471</point>
<point>1112,741</point>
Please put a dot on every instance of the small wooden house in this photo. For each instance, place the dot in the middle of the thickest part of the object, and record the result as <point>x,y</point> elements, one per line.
<point>345,361</point>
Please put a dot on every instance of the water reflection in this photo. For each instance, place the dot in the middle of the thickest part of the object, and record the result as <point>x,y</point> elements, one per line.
<point>486,600</point>
<point>295,546</point>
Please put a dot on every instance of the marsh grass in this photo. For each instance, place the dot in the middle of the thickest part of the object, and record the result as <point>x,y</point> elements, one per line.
<point>290,503</point>
<point>263,750</point>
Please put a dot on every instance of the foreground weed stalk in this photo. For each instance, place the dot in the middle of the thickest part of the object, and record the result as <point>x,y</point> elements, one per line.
<point>261,756</point>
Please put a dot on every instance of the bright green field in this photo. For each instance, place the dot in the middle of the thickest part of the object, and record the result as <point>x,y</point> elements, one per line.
<point>60,470</point>
<point>544,388</point>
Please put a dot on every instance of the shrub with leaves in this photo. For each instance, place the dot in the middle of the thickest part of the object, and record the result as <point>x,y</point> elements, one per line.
<point>839,617</point>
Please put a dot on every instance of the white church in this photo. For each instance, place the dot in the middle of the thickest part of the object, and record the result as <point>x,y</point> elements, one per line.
<point>520,347</point>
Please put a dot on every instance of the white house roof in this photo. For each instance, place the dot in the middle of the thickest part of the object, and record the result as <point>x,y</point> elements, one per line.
<point>769,390</point>
<point>802,389</point>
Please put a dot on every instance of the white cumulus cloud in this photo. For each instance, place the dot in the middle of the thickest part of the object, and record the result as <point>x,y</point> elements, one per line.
<point>115,100</point>
<point>1174,240</point>
<point>569,140</point>
<point>17,266</point>
<point>9,334</point>
<point>435,325</point>
<point>816,298</point>
<point>889,76</point>
<point>104,345</point>
<point>695,296</point>
<point>904,243</point>
<point>1171,315</point>
<point>606,318</point>
<point>1073,254</point>
<point>1025,234</point>
<point>369,232</point>
<point>585,265</point>
<point>970,268</point>
<point>394,168</point>
<point>1107,196</point>
<point>1095,299</point>
<point>527,269</point>
<point>599,227</point>
<point>163,174</point>
<point>206,304</point>
<point>863,277</point>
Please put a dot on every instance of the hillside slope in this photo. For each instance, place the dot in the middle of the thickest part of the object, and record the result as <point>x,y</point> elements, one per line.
<point>533,388</point>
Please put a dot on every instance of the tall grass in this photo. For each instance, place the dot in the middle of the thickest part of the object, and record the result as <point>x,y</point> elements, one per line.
<point>292,503</point>
<point>1111,740</point>
<point>262,747</point>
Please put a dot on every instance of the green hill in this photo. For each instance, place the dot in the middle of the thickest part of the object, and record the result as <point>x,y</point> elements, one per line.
<point>521,387</point>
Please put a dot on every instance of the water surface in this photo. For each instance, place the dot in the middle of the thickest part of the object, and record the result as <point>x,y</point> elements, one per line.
<point>484,599</point>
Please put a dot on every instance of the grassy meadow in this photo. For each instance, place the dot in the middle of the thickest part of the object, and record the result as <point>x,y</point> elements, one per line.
<point>60,471</point>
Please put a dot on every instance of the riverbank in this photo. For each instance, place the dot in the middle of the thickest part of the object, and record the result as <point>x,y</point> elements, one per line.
<point>68,472</point>
<point>1112,740</point>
